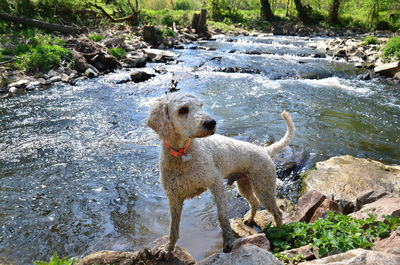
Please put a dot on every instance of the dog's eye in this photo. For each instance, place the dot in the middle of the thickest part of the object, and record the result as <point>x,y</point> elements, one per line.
<point>183,110</point>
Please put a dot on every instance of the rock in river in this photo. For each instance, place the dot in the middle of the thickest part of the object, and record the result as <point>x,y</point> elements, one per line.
<point>346,177</point>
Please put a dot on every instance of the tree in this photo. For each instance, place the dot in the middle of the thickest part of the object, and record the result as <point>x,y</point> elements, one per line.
<point>304,12</point>
<point>266,11</point>
<point>334,12</point>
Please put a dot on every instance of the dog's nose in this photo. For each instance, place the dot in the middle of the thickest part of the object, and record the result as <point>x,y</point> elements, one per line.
<point>210,124</point>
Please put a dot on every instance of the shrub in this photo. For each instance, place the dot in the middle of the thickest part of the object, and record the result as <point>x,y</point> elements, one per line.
<point>392,49</point>
<point>42,58</point>
<point>333,233</point>
<point>96,37</point>
<point>182,5</point>
<point>119,53</point>
<point>55,260</point>
<point>370,40</point>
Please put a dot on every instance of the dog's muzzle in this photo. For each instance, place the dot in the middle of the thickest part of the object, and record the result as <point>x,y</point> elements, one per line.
<point>210,124</point>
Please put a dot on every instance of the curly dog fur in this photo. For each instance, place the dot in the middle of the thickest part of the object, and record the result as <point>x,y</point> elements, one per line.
<point>206,158</point>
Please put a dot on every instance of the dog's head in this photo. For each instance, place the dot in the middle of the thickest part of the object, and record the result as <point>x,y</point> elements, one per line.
<point>180,115</point>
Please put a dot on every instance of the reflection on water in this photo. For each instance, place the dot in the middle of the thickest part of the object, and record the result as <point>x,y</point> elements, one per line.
<point>78,166</point>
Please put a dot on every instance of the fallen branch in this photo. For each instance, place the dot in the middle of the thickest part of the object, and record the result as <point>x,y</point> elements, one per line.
<point>132,17</point>
<point>43,25</point>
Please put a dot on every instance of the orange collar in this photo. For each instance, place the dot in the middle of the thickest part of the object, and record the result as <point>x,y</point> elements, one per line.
<point>177,153</point>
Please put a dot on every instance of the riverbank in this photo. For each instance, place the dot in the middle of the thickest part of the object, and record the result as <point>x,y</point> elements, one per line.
<point>100,52</point>
<point>376,193</point>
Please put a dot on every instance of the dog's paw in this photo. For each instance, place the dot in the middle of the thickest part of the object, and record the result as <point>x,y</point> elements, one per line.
<point>249,222</point>
<point>164,252</point>
<point>228,245</point>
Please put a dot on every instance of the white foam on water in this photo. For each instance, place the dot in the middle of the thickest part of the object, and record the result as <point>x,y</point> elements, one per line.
<point>351,86</point>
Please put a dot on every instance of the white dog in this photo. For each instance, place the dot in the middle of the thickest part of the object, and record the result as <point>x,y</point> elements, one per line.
<point>193,159</point>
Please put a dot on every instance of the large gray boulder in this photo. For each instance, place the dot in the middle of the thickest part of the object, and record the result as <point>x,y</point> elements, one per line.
<point>247,254</point>
<point>358,257</point>
<point>388,69</point>
<point>346,177</point>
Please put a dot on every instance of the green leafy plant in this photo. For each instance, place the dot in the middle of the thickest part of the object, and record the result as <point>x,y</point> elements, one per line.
<point>42,58</point>
<point>336,232</point>
<point>392,49</point>
<point>119,53</point>
<point>55,260</point>
<point>95,37</point>
<point>370,40</point>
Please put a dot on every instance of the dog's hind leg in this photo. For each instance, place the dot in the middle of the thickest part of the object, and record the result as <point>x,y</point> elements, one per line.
<point>265,190</point>
<point>218,192</point>
<point>246,190</point>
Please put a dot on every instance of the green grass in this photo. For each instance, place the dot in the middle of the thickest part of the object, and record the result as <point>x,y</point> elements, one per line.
<point>118,53</point>
<point>392,49</point>
<point>55,260</point>
<point>96,37</point>
<point>335,233</point>
<point>42,58</point>
<point>370,40</point>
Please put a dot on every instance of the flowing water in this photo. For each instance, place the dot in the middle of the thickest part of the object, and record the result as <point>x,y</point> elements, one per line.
<point>78,166</point>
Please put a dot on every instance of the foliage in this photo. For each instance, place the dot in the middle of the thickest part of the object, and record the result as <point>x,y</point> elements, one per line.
<point>392,49</point>
<point>186,5</point>
<point>166,17</point>
<point>55,260</point>
<point>222,9</point>
<point>96,37</point>
<point>370,40</point>
<point>118,53</point>
<point>333,233</point>
<point>42,58</point>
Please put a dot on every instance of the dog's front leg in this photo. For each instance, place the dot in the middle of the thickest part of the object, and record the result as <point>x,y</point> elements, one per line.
<point>218,192</point>
<point>175,208</point>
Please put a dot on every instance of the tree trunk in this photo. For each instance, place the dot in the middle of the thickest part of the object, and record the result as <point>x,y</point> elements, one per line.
<point>43,25</point>
<point>304,12</point>
<point>266,11</point>
<point>334,12</point>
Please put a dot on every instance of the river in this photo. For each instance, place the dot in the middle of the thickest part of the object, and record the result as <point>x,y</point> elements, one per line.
<point>79,167</point>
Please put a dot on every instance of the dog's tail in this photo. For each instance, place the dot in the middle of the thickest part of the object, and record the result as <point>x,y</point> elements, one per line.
<point>274,148</point>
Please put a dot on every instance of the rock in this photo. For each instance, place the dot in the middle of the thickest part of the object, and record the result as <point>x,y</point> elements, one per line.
<point>397,76</point>
<point>384,206</point>
<point>245,255</point>
<point>237,70</point>
<point>140,76</point>
<point>157,55</point>
<point>52,73</point>
<point>19,84</point>
<point>13,90</point>
<point>389,245</point>
<point>305,251</point>
<point>307,205</point>
<point>326,206</point>
<point>91,73</point>
<point>105,257</point>
<point>388,69</point>
<point>370,196</point>
<point>54,79</point>
<point>191,37</point>
<point>64,78</point>
<point>149,34</point>
<point>259,240</point>
<point>358,257</point>
<point>180,256</point>
<point>80,63</point>
<point>33,85</point>
<point>136,61</point>
<point>239,229</point>
<point>114,42</point>
<point>347,177</point>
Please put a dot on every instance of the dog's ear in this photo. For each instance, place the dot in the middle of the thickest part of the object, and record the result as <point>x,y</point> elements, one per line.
<point>159,119</point>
